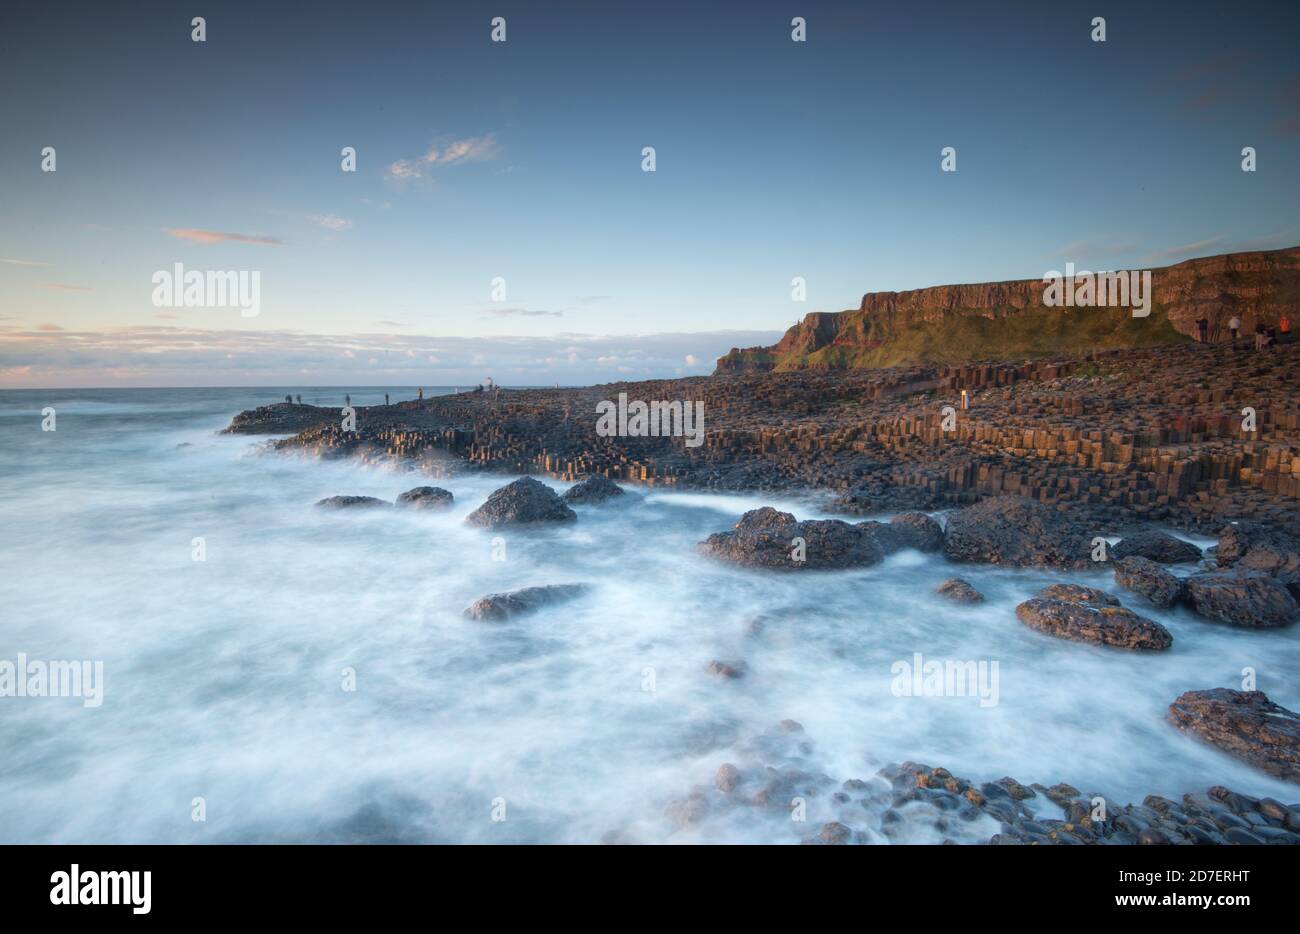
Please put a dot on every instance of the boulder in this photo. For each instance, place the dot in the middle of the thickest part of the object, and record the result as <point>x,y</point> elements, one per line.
<point>1254,547</point>
<point>1250,599</point>
<point>351,502</point>
<point>524,502</point>
<point>499,606</point>
<point>954,588</point>
<point>727,669</point>
<point>1084,614</point>
<point>593,490</point>
<point>1019,532</point>
<point>1156,546</point>
<point>1143,576</point>
<point>764,538</point>
<point>426,497</point>
<point>909,530</point>
<point>1244,724</point>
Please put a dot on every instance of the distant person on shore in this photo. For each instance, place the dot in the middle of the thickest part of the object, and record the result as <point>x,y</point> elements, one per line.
<point>1202,324</point>
<point>347,399</point>
<point>1234,325</point>
<point>289,399</point>
<point>1284,326</point>
<point>1259,336</point>
<point>300,400</point>
<point>421,394</point>
<point>385,398</point>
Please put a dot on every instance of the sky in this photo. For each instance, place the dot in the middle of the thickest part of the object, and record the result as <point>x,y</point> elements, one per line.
<point>522,161</point>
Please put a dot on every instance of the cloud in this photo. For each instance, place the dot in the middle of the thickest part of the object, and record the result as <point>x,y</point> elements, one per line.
<point>208,237</point>
<point>331,222</point>
<point>520,313</point>
<point>1187,249</point>
<point>48,327</point>
<point>470,149</point>
<point>64,287</point>
<point>22,262</point>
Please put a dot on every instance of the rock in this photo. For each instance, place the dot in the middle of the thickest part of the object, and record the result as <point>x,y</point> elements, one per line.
<point>1250,599</point>
<point>1258,547</point>
<point>909,530</point>
<point>765,538</point>
<point>524,502</point>
<point>499,606</point>
<point>281,418</point>
<point>727,669</point>
<point>834,834</point>
<point>351,502</point>
<point>1156,546</point>
<point>426,497</point>
<point>954,588</point>
<point>1244,724</point>
<point>1084,614</point>
<point>1143,576</point>
<point>593,490</point>
<point>728,778</point>
<point>1019,532</point>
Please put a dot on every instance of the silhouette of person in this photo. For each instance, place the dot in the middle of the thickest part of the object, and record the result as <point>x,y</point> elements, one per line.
<point>300,399</point>
<point>421,396</point>
<point>347,400</point>
<point>385,398</point>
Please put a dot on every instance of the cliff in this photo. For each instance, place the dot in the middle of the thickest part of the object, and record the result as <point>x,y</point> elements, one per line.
<point>1008,320</point>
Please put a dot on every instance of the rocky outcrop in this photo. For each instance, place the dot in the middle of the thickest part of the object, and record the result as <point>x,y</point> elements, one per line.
<point>909,530</point>
<point>1255,547</point>
<point>1250,599</point>
<point>1019,532</point>
<point>767,538</point>
<point>501,606</point>
<point>1143,576</point>
<point>426,497</point>
<point>1244,724</point>
<point>1156,546</point>
<point>281,419</point>
<point>593,490</point>
<point>351,502</point>
<point>959,591</point>
<point>522,503</point>
<point>1084,614</point>
<point>1000,320</point>
<point>727,669</point>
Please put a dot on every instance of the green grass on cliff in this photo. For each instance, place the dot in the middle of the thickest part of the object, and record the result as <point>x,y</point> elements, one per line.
<point>1017,334</point>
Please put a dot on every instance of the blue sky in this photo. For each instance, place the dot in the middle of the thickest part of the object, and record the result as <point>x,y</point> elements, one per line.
<point>522,160</point>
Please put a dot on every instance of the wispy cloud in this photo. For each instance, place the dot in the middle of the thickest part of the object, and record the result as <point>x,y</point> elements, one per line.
<point>331,222</point>
<point>64,287</point>
<point>521,313</point>
<point>208,237</point>
<point>22,262</point>
<point>1185,250</point>
<point>471,149</point>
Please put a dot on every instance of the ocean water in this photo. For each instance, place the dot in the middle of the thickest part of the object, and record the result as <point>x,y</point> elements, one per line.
<point>224,678</point>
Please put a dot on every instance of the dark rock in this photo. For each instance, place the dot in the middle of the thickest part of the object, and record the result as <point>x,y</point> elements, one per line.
<point>1242,837</point>
<point>1016,790</point>
<point>524,502</point>
<point>1244,724</point>
<point>722,669</point>
<point>351,502</point>
<point>764,538</point>
<point>593,490</point>
<point>728,778</point>
<point>499,606</point>
<point>1156,546</point>
<point>1019,532</point>
<point>426,497</point>
<point>1258,548</point>
<point>1084,614</point>
<point>1143,576</point>
<point>281,418</point>
<point>1250,599</point>
<point>834,834</point>
<point>954,588</point>
<point>909,530</point>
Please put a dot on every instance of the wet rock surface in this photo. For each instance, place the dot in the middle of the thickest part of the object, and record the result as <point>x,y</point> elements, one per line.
<point>351,502</point>
<point>593,490</point>
<point>959,591</point>
<point>1244,724</point>
<point>524,502</point>
<point>1249,599</point>
<point>766,538</point>
<point>501,606</point>
<point>1145,577</point>
<point>909,530</point>
<point>1156,546</point>
<point>1084,614</point>
<point>282,418</point>
<point>1019,532</point>
<point>426,497</point>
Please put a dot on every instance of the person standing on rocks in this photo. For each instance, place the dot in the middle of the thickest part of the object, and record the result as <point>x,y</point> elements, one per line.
<point>385,398</point>
<point>300,399</point>
<point>1259,336</point>
<point>421,394</point>
<point>1234,325</point>
<point>1202,324</point>
<point>347,399</point>
<point>1284,326</point>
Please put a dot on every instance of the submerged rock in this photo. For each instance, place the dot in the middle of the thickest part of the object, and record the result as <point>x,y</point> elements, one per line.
<point>730,669</point>
<point>765,538</point>
<point>351,502</point>
<point>1143,576</point>
<point>909,530</point>
<point>1156,546</point>
<point>499,606</point>
<point>524,502</point>
<point>593,490</point>
<point>1244,724</point>
<point>1019,532</point>
<point>1084,614</point>
<point>954,588</point>
<point>1250,599</point>
<point>426,497</point>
